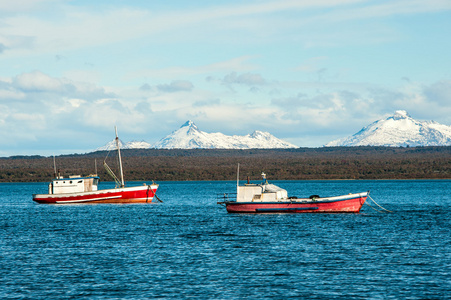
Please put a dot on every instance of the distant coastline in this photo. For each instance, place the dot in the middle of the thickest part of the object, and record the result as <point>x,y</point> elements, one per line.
<point>331,163</point>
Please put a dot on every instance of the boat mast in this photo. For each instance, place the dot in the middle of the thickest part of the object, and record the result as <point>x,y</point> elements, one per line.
<point>54,165</point>
<point>237,179</point>
<point>120,160</point>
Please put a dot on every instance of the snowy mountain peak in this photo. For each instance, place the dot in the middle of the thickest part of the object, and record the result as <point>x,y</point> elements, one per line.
<point>129,145</point>
<point>188,136</point>
<point>258,133</point>
<point>399,130</point>
<point>111,146</point>
<point>188,128</point>
<point>261,135</point>
<point>189,124</point>
<point>401,114</point>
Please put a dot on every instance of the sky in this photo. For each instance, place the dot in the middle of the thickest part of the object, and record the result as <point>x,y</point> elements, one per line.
<point>308,72</point>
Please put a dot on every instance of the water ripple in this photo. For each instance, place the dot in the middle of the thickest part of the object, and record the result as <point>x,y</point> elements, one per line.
<point>189,247</point>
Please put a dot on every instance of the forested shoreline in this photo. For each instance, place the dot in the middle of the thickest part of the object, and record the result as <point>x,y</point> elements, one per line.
<point>220,164</point>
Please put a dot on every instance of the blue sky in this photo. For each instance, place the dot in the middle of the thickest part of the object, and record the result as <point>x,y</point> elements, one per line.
<point>306,71</point>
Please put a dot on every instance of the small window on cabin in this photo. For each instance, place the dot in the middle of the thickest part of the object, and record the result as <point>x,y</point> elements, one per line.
<point>70,181</point>
<point>80,181</point>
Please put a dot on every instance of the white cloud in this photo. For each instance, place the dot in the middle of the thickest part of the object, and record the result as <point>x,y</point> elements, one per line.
<point>22,6</point>
<point>28,118</point>
<point>439,92</point>
<point>37,81</point>
<point>244,79</point>
<point>10,94</point>
<point>76,27</point>
<point>318,116</point>
<point>176,86</point>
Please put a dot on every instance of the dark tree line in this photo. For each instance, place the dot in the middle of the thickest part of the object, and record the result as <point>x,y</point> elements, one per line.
<point>220,164</point>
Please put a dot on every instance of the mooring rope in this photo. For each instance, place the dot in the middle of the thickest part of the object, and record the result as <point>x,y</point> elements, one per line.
<point>374,208</point>
<point>158,198</point>
<point>154,194</point>
<point>386,210</point>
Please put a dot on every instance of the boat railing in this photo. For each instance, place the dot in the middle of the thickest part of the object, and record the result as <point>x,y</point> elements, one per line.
<point>225,197</point>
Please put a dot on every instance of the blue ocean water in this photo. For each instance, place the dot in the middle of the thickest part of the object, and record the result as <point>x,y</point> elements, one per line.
<point>190,247</point>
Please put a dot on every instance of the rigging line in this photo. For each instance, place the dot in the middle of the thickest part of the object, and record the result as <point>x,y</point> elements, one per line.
<point>108,153</point>
<point>378,204</point>
<point>111,173</point>
<point>118,164</point>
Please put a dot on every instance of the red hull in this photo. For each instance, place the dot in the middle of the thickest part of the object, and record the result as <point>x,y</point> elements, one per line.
<point>137,194</point>
<point>322,205</point>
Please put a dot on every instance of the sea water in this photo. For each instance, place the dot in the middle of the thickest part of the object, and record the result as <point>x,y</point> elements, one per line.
<point>190,247</point>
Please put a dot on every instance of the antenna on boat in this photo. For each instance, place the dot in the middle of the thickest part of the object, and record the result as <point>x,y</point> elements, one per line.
<point>54,165</point>
<point>95,164</point>
<point>120,160</point>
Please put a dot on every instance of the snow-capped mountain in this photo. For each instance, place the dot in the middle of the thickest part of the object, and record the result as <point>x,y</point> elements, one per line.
<point>138,145</point>
<point>399,130</point>
<point>129,145</point>
<point>188,136</point>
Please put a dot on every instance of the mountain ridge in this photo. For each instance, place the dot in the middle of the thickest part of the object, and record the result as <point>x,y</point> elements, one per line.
<point>189,136</point>
<point>398,130</point>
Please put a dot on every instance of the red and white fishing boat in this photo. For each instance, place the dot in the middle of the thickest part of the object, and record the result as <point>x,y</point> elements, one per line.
<point>78,189</point>
<point>269,198</point>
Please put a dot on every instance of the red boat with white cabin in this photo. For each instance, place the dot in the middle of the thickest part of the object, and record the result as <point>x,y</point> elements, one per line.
<point>269,198</point>
<point>77,189</point>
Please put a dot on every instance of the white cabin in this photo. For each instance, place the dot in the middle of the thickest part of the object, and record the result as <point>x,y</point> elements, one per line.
<point>261,193</point>
<point>74,184</point>
<point>264,192</point>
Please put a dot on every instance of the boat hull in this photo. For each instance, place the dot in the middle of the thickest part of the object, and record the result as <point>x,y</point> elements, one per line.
<point>136,194</point>
<point>340,204</point>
